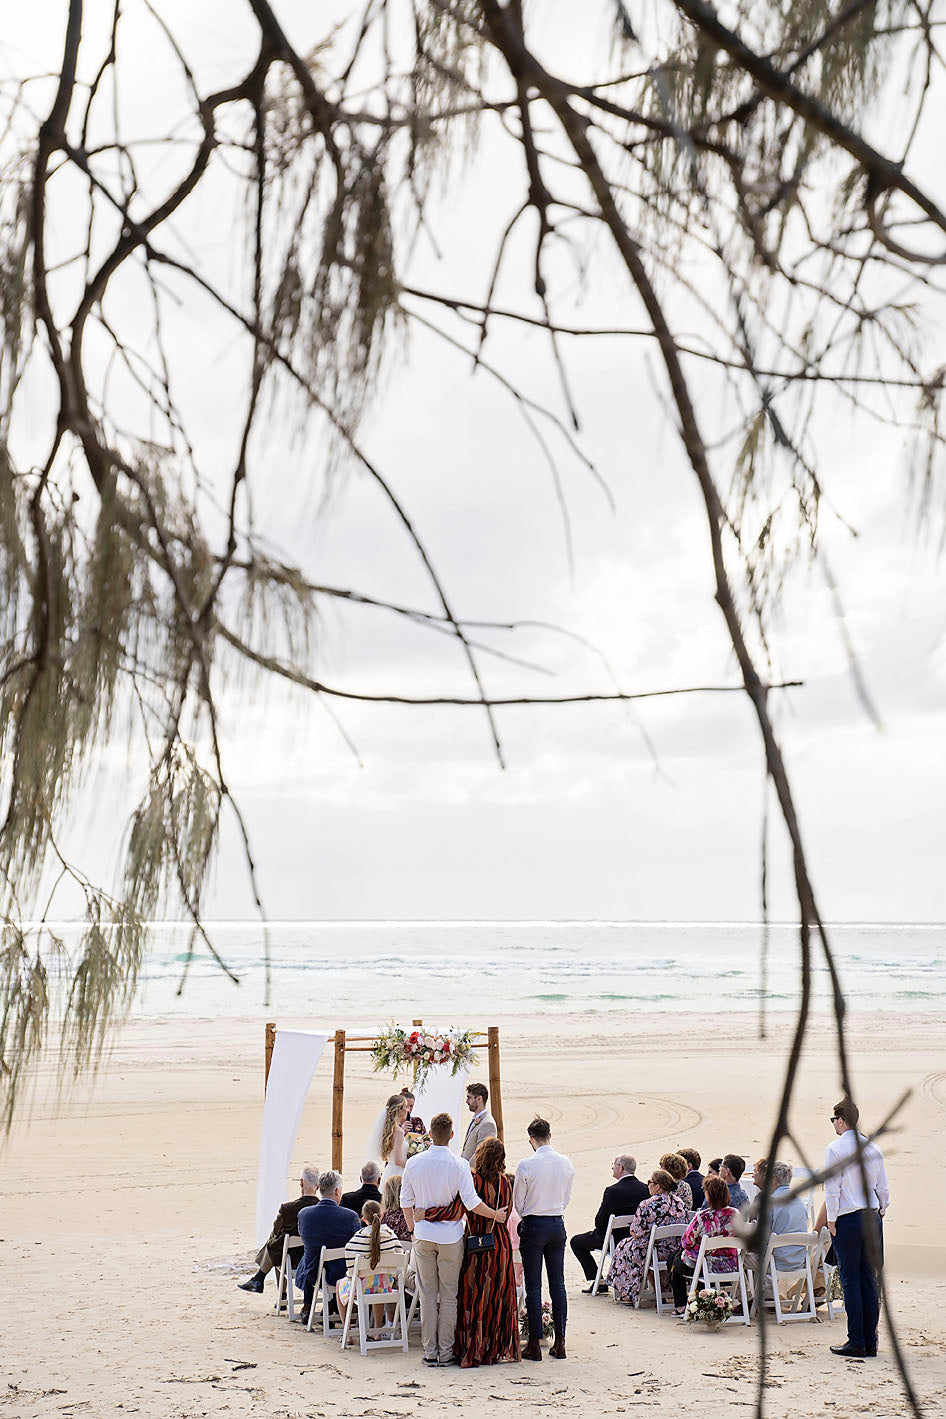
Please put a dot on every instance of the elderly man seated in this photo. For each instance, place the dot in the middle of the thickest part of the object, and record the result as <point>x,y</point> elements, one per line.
<point>369,1190</point>
<point>786,1214</point>
<point>285,1225</point>
<point>622,1198</point>
<point>327,1224</point>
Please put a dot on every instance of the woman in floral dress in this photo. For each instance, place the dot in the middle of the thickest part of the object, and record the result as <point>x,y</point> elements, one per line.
<point>663,1207</point>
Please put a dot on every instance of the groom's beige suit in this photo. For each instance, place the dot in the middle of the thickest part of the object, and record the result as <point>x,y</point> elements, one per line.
<point>482,1125</point>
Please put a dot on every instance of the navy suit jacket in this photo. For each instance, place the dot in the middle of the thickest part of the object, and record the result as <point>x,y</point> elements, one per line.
<point>695,1179</point>
<point>324,1225</point>
<point>620,1199</point>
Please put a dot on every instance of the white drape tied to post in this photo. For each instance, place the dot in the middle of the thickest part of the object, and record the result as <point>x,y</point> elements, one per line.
<point>295,1056</point>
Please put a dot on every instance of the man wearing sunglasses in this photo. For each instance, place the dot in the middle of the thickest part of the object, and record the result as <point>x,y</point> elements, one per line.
<point>856,1198</point>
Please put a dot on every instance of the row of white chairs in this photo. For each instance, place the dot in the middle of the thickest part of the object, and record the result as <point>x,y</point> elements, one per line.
<point>744,1285</point>
<point>360,1303</point>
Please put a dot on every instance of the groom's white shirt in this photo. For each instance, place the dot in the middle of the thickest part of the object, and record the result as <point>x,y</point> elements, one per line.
<point>433,1179</point>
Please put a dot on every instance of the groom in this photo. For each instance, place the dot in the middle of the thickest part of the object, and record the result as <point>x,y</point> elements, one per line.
<point>438,1178</point>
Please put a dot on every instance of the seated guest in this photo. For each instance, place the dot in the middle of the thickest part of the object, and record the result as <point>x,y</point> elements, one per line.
<point>731,1170</point>
<point>412,1124</point>
<point>368,1192</point>
<point>391,1214</point>
<point>694,1177</point>
<point>327,1224</point>
<point>663,1207</point>
<point>676,1166</point>
<point>713,1167</point>
<point>715,1220</point>
<point>786,1214</point>
<point>285,1225</point>
<point>621,1198</point>
<point>374,1241</point>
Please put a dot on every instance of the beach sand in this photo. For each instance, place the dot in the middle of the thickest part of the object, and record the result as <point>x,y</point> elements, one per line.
<point>127,1219</point>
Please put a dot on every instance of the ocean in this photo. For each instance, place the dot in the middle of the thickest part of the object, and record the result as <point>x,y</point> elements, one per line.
<point>369,970</point>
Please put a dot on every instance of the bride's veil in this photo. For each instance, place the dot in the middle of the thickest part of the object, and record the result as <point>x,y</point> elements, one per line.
<point>372,1151</point>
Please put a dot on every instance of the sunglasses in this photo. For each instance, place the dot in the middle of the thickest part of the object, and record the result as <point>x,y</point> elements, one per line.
<point>836,1118</point>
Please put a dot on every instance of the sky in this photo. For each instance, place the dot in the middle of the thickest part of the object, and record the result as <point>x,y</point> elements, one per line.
<point>602,811</point>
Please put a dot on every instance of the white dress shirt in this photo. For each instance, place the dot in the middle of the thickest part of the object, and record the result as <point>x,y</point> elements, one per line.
<point>543,1184</point>
<point>845,1191</point>
<point>433,1179</point>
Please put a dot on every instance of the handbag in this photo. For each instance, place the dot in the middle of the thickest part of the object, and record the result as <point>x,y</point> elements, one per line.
<point>477,1242</point>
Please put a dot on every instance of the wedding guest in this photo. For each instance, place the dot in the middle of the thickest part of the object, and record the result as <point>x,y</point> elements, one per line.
<point>542,1191</point>
<point>487,1315</point>
<point>715,1220</point>
<point>393,1141</point>
<point>621,1198</point>
<point>854,1214</point>
<point>676,1166</point>
<point>412,1124</point>
<point>375,1241</point>
<point>694,1177</point>
<point>269,1255</point>
<point>327,1224</point>
<point>512,1226</point>
<point>786,1214</point>
<point>392,1214</point>
<point>731,1169</point>
<point>482,1124</point>
<point>713,1167</point>
<point>438,1178</point>
<point>663,1207</point>
<point>368,1192</point>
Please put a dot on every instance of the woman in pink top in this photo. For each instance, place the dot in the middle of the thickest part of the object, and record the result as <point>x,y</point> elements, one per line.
<point>512,1227</point>
<point>715,1220</point>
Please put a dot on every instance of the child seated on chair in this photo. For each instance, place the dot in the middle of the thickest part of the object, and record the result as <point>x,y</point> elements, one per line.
<point>373,1241</point>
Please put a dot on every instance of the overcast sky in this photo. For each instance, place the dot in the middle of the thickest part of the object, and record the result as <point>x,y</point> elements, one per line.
<point>602,812</point>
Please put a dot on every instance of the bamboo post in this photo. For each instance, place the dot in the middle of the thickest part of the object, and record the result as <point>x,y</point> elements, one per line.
<point>338,1100</point>
<point>268,1052</point>
<point>495,1086</point>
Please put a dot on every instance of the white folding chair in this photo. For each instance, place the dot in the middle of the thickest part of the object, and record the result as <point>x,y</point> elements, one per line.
<point>325,1288</point>
<point>285,1280</point>
<point>800,1175</point>
<point>654,1268</point>
<point>391,1268</point>
<point>818,1263</point>
<point>615,1224</point>
<point>704,1278</point>
<point>800,1280</point>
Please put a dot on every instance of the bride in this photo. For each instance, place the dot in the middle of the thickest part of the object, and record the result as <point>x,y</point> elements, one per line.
<point>393,1143</point>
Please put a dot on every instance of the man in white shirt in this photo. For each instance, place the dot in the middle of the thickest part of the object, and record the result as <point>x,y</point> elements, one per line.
<point>482,1124</point>
<point>854,1212</point>
<point>438,1178</point>
<point>542,1191</point>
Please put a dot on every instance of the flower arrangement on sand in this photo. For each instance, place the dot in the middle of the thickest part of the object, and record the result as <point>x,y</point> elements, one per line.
<point>419,1050</point>
<point>548,1326</point>
<point>711,1307</point>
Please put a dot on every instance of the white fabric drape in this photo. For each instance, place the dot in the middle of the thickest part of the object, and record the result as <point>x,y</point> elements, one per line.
<point>295,1056</point>
<point>444,1093</point>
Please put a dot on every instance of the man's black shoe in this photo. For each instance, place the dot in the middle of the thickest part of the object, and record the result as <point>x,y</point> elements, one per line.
<point>304,1317</point>
<point>849,1351</point>
<point>590,1290</point>
<point>871,1354</point>
<point>431,1360</point>
<point>254,1284</point>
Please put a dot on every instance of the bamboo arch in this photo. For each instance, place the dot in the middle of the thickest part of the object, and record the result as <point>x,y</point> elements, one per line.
<point>363,1044</point>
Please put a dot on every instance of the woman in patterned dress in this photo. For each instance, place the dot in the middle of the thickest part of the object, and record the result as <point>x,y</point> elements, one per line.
<point>487,1316</point>
<point>716,1220</point>
<point>663,1207</point>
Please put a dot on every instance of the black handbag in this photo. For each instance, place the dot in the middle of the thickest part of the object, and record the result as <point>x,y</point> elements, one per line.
<point>477,1242</point>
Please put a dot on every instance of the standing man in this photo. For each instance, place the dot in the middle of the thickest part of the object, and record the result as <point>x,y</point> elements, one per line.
<point>482,1124</point>
<point>285,1225</point>
<point>542,1191</point>
<point>622,1198</point>
<point>438,1178</point>
<point>854,1221</point>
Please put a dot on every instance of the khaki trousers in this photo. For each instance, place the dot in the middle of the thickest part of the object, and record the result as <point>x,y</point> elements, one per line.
<point>438,1275</point>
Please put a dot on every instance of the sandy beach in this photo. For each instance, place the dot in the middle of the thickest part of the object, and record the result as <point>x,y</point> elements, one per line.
<point>127,1219</point>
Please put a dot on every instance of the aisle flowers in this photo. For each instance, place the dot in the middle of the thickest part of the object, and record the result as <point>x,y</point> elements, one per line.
<point>710,1307</point>
<point>419,1050</point>
<point>548,1323</point>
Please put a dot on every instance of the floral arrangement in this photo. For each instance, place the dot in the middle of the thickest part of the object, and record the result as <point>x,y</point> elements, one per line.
<point>711,1307</point>
<point>417,1143</point>
<point>548,1325</point>
<point>419,1050</point>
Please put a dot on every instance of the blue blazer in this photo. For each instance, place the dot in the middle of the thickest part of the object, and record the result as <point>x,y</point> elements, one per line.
<point>695,1179</point>
<point>324,1225</point>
